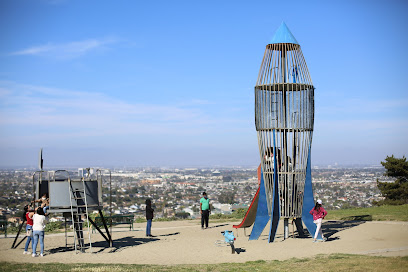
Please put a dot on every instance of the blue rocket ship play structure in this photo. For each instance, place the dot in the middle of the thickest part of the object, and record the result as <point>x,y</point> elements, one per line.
<point>284,120</point>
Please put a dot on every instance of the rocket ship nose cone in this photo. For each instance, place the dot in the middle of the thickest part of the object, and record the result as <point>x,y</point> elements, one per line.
<point>283,35</point>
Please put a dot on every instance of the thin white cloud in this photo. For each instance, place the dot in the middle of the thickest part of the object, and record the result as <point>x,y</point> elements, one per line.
<point>371,108</point>
<point>67,50</point>
<point>48,112</point>
<point>362,126</point>
<point>35,50</point>
<point>4,92</point>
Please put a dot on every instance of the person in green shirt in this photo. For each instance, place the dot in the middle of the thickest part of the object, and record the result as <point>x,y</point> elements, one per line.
<point>205,210</point>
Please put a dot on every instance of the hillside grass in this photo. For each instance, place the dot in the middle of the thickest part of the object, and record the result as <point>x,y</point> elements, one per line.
<point>380,213</point>
<point>332,262</point>
<point>376,213</point>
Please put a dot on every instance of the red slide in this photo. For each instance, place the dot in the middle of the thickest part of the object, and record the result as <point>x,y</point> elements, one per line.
<point>250,215</point>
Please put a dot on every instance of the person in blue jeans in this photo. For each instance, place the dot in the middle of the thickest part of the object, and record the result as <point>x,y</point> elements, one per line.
<point>29,227</point>
<point>40,221</point>
<point>149,218</point>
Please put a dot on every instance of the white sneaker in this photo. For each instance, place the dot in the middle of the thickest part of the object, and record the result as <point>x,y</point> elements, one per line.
<point>34,255</point>
<point>42,255</point>
<point>26,252</point>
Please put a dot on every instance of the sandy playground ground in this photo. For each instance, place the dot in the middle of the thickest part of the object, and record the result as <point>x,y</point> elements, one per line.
<point>183,242</point>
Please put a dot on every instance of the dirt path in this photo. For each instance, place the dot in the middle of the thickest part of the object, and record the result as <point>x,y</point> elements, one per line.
<point>183,242</point>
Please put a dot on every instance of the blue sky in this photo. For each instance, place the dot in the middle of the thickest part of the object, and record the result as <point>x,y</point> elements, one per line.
<point>170,83</point>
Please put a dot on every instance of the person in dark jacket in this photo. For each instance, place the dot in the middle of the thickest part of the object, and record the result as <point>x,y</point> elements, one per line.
<point>149,217</point>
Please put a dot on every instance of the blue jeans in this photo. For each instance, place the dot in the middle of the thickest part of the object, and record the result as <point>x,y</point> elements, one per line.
<point>38,234</point>
<point>149,227</point>
<point>29,238</point>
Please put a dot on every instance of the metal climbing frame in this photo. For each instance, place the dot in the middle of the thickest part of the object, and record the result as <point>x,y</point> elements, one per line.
<point>67,194</point>
<point>100,176</point>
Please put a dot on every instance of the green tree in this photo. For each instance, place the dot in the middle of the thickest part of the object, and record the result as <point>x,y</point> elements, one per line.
<point>226,197</point>
<point>239,213</point>
<point>195,208</point>
<point>182,215</point>
<point>396,192</point>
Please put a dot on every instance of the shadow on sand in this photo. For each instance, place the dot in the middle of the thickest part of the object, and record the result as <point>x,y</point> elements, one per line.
<point>122,243</point>
<point>118,244</point>
<point>239,250</point>
<point>217,226</point>
<point>329,228</point>
<point>170,234</point>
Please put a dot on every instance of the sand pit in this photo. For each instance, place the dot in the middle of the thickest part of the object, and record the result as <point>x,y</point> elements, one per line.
<point>183,242</point>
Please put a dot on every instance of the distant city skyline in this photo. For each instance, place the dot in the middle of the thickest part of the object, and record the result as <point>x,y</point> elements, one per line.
<point>172,83</point>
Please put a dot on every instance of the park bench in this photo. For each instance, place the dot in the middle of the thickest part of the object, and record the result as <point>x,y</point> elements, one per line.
<point>115,220</point>
<point>3,224</point>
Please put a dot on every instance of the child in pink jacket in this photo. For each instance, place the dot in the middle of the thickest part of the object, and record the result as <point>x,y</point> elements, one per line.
<point>318,213</point>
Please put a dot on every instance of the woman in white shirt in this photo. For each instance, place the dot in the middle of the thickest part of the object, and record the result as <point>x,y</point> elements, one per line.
<point>39,222</point>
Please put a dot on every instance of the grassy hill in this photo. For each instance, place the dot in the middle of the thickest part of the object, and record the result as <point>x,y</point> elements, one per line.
<point>381,213</point>
<point>333,262</point>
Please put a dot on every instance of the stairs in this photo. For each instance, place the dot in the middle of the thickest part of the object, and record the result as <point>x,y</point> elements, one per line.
<point>80,216</point>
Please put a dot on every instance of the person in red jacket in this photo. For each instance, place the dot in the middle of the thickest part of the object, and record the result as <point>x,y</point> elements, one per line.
<point>318,213</point>
<point>29,227</point>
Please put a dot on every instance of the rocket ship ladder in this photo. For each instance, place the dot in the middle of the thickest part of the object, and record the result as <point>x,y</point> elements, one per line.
<point>79,208</point>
